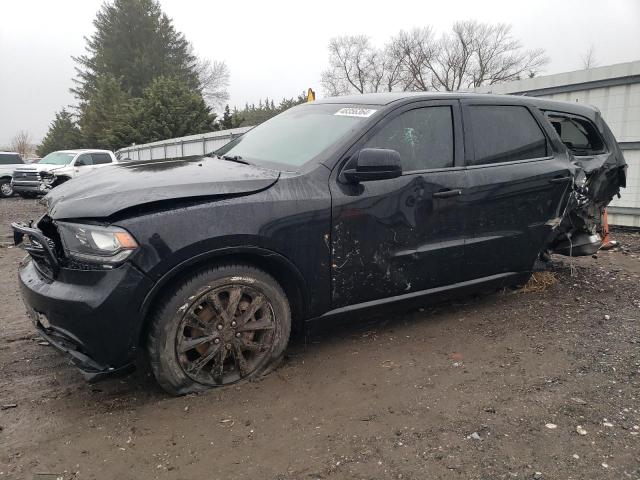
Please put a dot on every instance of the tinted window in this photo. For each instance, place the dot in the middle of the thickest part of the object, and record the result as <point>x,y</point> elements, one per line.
<point>504,134</point>
<point>83,160</point>
<point>99,158</point>
<point>579,135</point>
<point>423,137</point>
<point>10,159</point>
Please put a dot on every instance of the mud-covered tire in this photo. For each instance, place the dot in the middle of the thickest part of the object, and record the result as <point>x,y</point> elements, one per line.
<point>202,295</point>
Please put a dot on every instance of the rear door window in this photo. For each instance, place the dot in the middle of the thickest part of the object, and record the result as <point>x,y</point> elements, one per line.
<point>423,137</point>
<point>578,134</point>
<point>505,133</point>
<point>10,159</point>
<point>101,158</point>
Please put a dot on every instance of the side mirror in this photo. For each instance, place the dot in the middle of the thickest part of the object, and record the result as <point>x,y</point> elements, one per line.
<point>372,164</point>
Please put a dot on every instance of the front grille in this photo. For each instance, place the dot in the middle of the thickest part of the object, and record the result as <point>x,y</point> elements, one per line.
<point>26,176</point>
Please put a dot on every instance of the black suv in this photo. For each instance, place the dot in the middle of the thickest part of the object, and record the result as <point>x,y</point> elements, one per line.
<point>329,208</point>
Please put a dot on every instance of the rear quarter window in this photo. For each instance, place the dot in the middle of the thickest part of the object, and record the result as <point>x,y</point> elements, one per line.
<point>578,134</point>
<point>505,133</point>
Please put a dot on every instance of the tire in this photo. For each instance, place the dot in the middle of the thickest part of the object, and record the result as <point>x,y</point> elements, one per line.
<point>189,339</point>
<point>6,190</point>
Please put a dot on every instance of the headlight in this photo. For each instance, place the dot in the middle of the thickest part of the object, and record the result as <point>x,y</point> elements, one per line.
<point>96,244</point>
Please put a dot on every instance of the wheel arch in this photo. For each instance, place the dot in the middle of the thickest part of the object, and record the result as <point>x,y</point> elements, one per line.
<point>273,263</point>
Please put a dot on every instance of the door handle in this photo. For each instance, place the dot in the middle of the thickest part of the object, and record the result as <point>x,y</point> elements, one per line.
<point>560,179</point>
<point>447,193</point>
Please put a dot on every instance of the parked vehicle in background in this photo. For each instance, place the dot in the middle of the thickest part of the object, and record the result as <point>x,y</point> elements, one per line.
<point>58,167</point>
<point>8,163</point>
<point>329,208</point>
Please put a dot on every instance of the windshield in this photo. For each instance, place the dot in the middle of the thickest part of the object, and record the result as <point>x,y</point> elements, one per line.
<point>58,158</point>
<point>296,136</point>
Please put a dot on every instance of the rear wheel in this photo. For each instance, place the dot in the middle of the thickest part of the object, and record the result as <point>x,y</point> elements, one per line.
<point>223,325</point>
<point>6,190</point>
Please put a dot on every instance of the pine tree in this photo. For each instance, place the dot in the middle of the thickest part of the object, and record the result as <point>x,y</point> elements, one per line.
<point>135,42</point>
<point>107,117</point>
<point>169,108</point>
<point>63,134</point>
<point>227,119</point>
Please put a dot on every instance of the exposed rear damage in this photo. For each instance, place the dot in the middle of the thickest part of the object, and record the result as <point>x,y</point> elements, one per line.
<point>600,173</point>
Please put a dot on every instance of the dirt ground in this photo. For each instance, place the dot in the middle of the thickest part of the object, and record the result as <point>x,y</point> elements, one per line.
<point>489,387</point>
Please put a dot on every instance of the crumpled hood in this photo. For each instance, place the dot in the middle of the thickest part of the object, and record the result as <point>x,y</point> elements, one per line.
<point>112,189</point>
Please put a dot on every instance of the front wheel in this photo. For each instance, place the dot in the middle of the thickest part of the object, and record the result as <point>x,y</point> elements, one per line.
<point>6,189</point>
<point>221,326</point>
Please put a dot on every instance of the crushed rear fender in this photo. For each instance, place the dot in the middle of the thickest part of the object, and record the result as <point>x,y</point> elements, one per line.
<point>597,180</point>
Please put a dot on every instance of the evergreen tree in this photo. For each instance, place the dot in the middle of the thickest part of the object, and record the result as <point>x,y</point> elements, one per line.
<point>227,119</point>
<point>63,134</point>
<point>107,118</point>
<point>135,42</point>
<point>169,108</point>
<point>252,115</point>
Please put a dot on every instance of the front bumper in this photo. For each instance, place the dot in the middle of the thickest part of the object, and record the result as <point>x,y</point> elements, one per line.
<point>40,188</point>
<point>91,315</point>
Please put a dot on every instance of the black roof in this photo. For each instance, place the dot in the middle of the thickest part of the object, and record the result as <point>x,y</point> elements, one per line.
<point>388,98</point>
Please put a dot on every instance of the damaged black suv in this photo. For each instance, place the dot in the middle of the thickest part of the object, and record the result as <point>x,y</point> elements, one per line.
<point>329,208</point>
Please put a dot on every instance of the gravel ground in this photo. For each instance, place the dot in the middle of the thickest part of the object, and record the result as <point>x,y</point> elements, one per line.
<point>541,383</point>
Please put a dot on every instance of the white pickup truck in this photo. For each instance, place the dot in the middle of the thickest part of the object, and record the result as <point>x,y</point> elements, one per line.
<point>9,161</point>
<point>56,168</point>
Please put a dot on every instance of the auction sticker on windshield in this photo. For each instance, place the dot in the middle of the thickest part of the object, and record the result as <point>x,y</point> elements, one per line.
<point>356,112</point>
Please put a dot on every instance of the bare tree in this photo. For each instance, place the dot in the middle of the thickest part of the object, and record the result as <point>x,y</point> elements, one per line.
<point>471,55</point>
<point>416,51</point>
<point>214,80</point>
<point>589,59</point>
<point>21,143</point>
<point>351,61</point>
<point>498,57</point>
<point>355,65</point>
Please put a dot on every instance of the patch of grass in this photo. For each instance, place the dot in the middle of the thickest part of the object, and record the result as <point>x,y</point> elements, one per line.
<point>539,282</point>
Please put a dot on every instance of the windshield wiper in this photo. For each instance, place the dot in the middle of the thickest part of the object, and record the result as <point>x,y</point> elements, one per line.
<point>233,158</point>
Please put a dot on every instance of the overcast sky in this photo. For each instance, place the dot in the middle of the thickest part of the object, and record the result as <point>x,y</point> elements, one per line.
<point>278,49</point>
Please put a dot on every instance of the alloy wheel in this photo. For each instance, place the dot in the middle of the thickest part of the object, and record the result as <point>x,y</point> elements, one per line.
<point>225,335</point>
